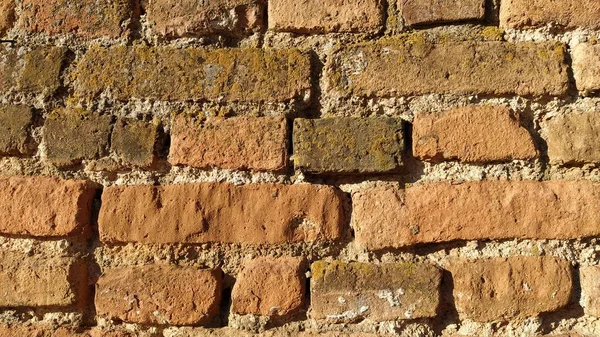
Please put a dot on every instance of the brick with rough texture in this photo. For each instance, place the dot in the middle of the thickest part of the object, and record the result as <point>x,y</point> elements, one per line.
<point>590,288</point>
<point>417,12</point>
<point>234,332</point>
<point>440,212</point>
<point>7,15</point>
<point>348,145</point>
<point>42,330</point>
<point>85,18</point>
<point>394,67</point>
<point>256,143</point>
<point>538,13</point>
<point>573,138</point>
<point>253,290</point>
<point>328,16</point>
<point>45,207</point>
<point>72,135</point>
<point>344,292</point>
<point>32,71</point>
<point>159,294</point>
<point>15,124</point>
<point>33,281</point>
<point>221,212</point>
<point>199,17</point>
<point>174,74</point>
<point>510,288</point>
<point>475,134</point>
<point>586,66</point>
<point>133,141</point>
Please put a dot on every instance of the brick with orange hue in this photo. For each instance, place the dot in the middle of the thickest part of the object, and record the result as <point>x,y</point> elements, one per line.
<point>567,14</point>
<point>475,134</point>
<point>586,66</point>
<point>253,292</point>
<point>221,212</point>
<point>84,18</point>
<point>417,12</point>
<point>45,207</point>
<point>7,15</point>
<point>328,16</point>
<point>387,216</point>
<point>573,138</point>
<point>510,288</point>
<point>256,143</point>
<point>159,294</point>
<point>590,287</point>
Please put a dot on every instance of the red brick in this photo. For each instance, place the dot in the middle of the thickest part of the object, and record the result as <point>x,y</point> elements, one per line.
<point>43,206</point>
<point>220,212</point>
<point>328,16</point>
<point>539,13</point>
<point>586,66</point>
<point>35,281</point>
<point>235,143</point>
<point>573,138</point>
<point>253,292</point>
<point>510,288</point>
<point>472,134</point>
<point>417,12</point>
<point>7,15</point>
<point>159,295</point>
<point>390,217</point>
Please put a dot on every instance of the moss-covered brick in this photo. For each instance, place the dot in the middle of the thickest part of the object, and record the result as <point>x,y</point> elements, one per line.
<point>133,141</point>
<point>171,74</point>
<point>31,71</point>
<point>72,135</point>
<point>348,145</point>
<point>15,125</point>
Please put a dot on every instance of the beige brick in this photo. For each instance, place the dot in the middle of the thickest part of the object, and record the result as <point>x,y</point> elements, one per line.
<point>590,288</point>
<point>539,13</point>
<point>586,66</point>
<point>417,12</point>
<point>233,332</point>
<point>573,138</point>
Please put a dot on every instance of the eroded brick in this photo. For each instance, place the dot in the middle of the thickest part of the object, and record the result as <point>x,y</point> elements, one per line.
<point>33,71</point>
<point>15,125</point>
<point>586,66</point>
<point>134,142</point>
<point>7,15</point>
<point>391,217</point>
<point>417,12</point>
<point>159,294</point>
<point>539,13</point>
<point>233,332</point>
<point>509,288</point>
<point>220,212</point>
<point>590,288</point>
<point>344,292</point>
<point>573,138</point>
<point>348,145</point>
<point>258,143</point>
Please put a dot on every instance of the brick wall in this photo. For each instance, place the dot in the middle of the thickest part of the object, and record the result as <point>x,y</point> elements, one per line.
<point>337,168</point>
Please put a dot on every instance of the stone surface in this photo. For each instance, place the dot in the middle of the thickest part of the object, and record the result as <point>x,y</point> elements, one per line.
<point>221,212</point>
<point>348,145</point>
<point>174,74</point>
<point>417,12</point>
<point>233,332</point>
<point>590,288</point>
<point>31,71</point>
<point>159,295</point>
<point>345,292</point>
<point>253,292</point>
<point>255,143</point>
<point>200,17</point>
<point>328,16</point>
<point>586,66</point>
<point>7,15</point>
<point>45,207</point>
<point>474,134</point>
<point>15,124</point>
<point>72,135</point>
<point>393,67</point>
<point>28,280</point>
<point>133,142</point>
<point>573,138</point>
<point>440,212</point>
<point>538,13</point>
<point>510,288</point>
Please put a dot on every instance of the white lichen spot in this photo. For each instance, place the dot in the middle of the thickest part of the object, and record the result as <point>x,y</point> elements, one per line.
<point>341,300</point>
<point>393,298</point>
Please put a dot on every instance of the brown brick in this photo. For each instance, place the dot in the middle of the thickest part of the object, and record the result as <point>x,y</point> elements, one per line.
<point>220,212</point>
<point>573,138</point>
<point>42,330</point>
<point>72,135</point>
<point>348,145</point>
<point>472,134</point>
<point>235,143</point>
<point>328,16</point>
<point>590,287</point>
<point>417,12</point>
<point>253,292</point>
<point>198,17</point>
<point>7,15</point>
<point>586,66</point>
<point>389,217</point>
<point>159,295</point>
<point>344,292</point>
<point>509,288</point>
<point>31,71</point>
<point>395,67</point>
<point>15,125</point>
<point>41,206</point>
<point>539,13</point>
<point>85,18</point>
<point>35,281</point>
<point>133,141</point>
<point>174,74</point>
<point>234,332</point>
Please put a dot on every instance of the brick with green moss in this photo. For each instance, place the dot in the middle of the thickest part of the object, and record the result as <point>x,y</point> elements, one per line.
<point>348,145</point>
<point>15,127</point>
<point>31,71</point>
<point>133,142</point>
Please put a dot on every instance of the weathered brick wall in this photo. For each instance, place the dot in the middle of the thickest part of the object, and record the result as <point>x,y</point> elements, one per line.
<point>337,168</point>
